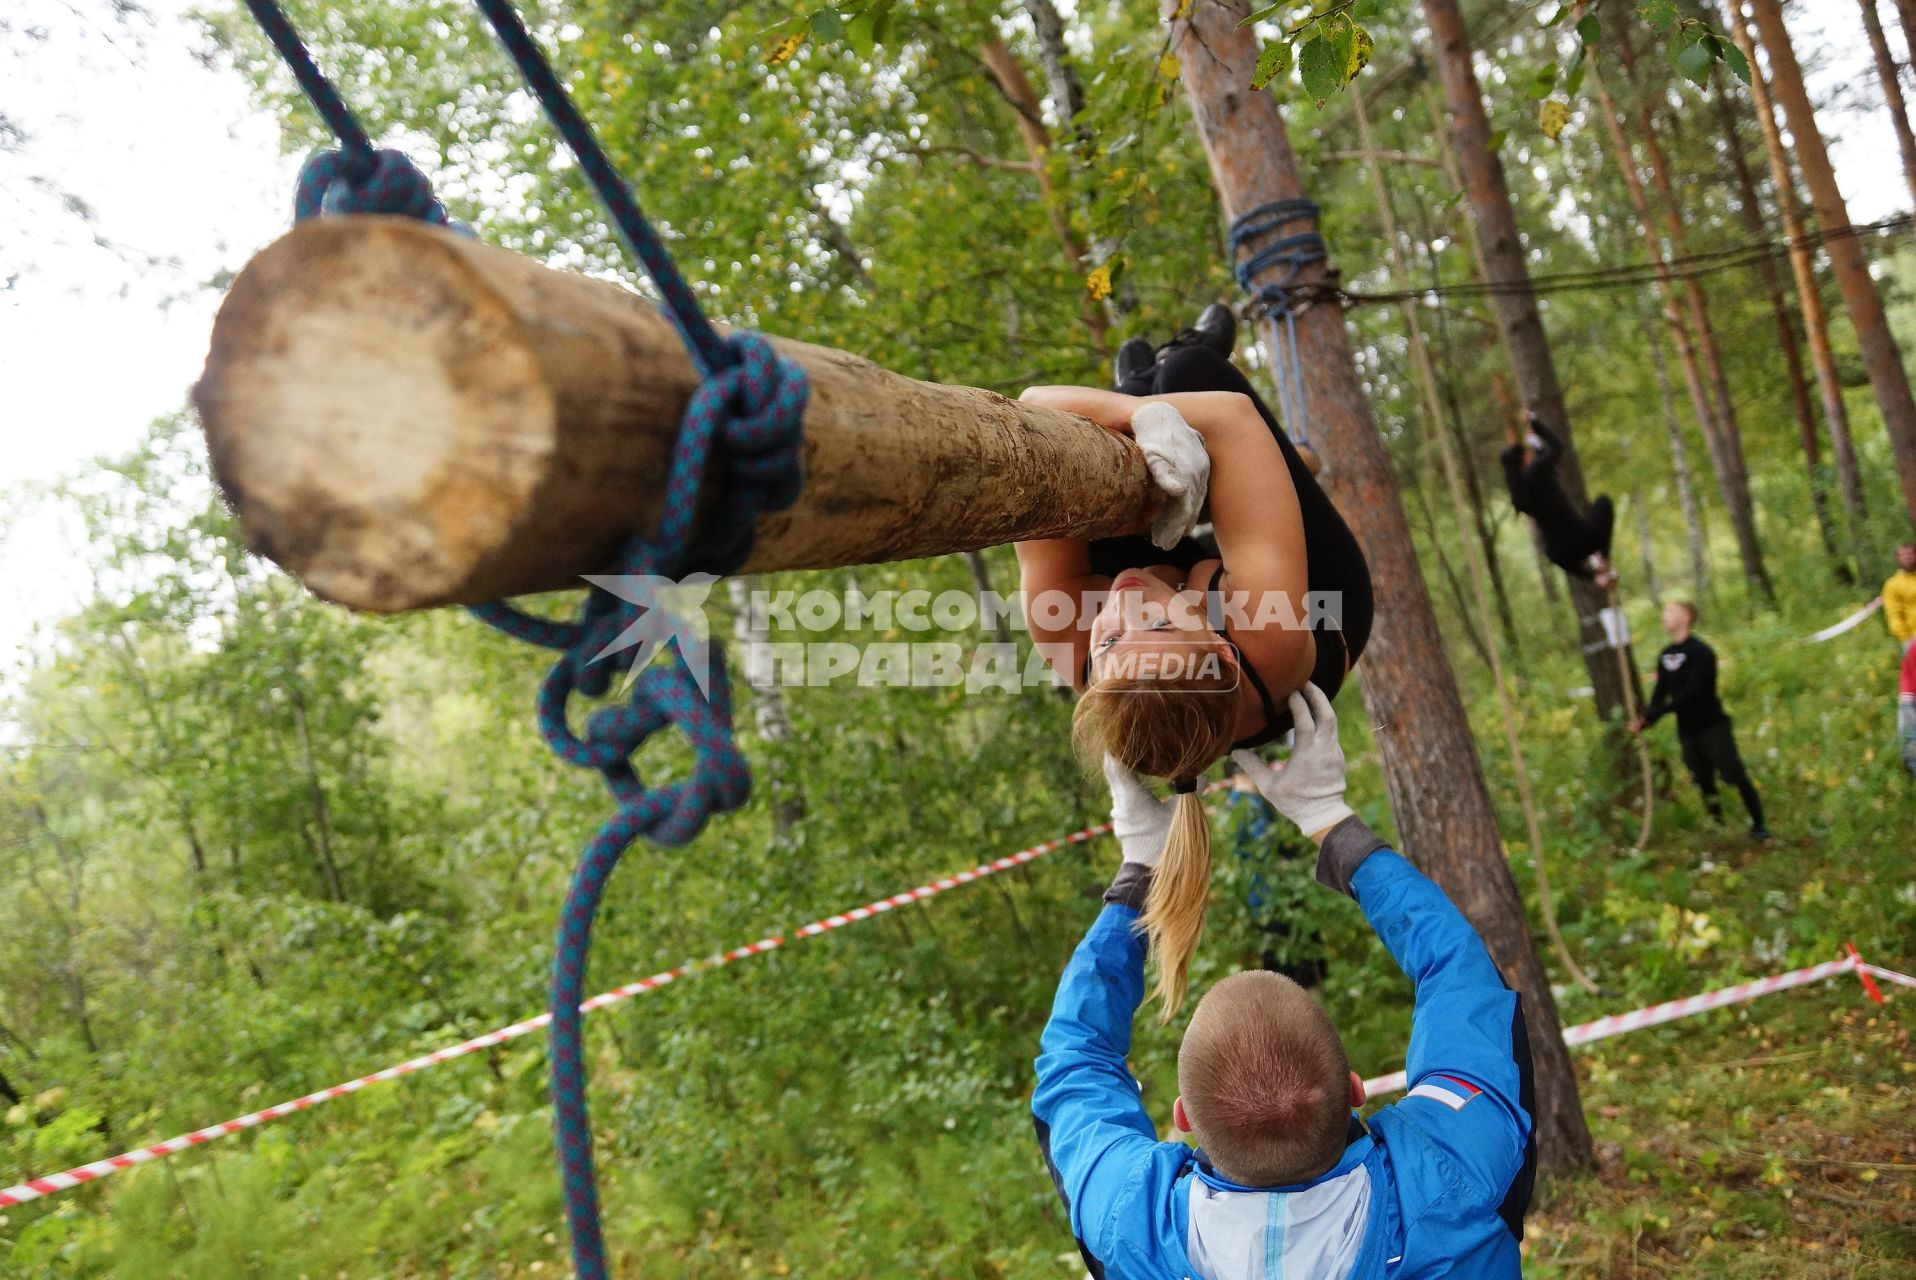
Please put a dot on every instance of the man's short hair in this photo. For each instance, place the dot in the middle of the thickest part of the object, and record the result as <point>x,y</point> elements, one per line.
<point>1266,1081</point>
<point>1689,610</point>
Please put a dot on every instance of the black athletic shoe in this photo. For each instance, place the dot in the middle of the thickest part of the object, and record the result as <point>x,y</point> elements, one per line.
<point>1761,834</point>
<point>1216,328</point>
<point>1135,356</point>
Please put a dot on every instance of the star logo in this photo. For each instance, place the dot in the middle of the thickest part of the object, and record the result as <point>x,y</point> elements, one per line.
<point>669,610</point>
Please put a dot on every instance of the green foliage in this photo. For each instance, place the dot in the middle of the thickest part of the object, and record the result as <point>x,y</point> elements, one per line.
<point>251,845</point>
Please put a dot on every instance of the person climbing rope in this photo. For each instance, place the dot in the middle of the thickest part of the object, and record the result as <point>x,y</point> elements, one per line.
<point>1686,684</point>
<point>1184,648</point>
<point>1576,542</point>
<point>1287,1181</point>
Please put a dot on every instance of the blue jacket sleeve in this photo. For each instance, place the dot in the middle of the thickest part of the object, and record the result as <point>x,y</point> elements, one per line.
<point>1469,1062</point>
<point>1098,1137</point>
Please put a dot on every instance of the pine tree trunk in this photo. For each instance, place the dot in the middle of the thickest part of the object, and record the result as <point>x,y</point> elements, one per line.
<point>1730,431</point>
<point>1516,305</point>
<point>1786,335</point>
<point>1809,292</point>
<point>1430,763</point>
<point>1725,460</point>
<point>1882,358</point>
<point>1679,464</point>
<point>1906,13</point>
<point>1892,90</point>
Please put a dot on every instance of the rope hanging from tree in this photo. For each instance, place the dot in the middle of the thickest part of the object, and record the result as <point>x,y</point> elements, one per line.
<point>746,416</point>
<point>1281,297</point>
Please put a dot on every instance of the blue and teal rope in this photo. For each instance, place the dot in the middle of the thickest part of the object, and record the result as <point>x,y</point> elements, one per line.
<point>748,412</point>
<point>1280,295</point>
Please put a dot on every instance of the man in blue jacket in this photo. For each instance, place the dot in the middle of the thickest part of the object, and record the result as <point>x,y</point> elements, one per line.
<point>1286,1180</point>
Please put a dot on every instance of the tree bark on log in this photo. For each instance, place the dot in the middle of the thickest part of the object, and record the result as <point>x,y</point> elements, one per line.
<point>1809,291</point>
<point>403,417</point>
<point>1430,762</point>
<point>1882,358</point>
<point>1488,193</point>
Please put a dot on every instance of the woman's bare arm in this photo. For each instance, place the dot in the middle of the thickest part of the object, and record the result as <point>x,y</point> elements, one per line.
<point>1254,511</point>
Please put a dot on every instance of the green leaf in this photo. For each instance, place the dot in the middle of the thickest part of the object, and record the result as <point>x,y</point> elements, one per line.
<point>1588,29</point>
<point>1340,35</point>
<point>862,33</point>
<point>1661,14</point>
<point>1695,61</point>
<point>1556,17</point>
<point>827,25</point>
<point>1258,15</point>
<point>1273,62</point>
<point>1573,78</point>
<point>1322,69</point>
<point>1361,48</point>
<point>1366,9</point>
<point>1495,142</point>
<point>1543,82</point>
<point>1738,64</point>
<point>1552,116</point>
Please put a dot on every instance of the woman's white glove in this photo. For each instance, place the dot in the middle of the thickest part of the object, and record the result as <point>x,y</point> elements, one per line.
<point>1140,821</point>
<point>1174,453</point>
<point>1309,787</point>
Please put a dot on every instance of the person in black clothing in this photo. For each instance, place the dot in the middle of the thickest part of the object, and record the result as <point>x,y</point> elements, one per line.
<point>1686,684</point>
<point>1576,542</point>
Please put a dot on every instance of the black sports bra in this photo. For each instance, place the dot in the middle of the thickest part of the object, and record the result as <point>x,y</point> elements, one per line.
<point>1214,614</point>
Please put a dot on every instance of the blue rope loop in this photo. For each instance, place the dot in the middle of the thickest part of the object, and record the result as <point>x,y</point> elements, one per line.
<point>1281,297</point>
<point>336,182</point>
<point>749,408</point>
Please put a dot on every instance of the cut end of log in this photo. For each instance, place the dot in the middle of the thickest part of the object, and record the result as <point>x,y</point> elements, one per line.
<point>403,417</point>
<point>375,413</point>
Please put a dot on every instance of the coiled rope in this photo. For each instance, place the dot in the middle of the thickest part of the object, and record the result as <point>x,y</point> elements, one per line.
<point>748,411</point>
<point>1280,296</point>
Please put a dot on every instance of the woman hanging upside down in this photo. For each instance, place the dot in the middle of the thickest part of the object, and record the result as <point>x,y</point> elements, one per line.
<point>1577,543</point>
<point>1183,651</point>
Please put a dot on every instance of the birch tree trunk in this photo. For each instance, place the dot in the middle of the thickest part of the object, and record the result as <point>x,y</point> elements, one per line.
<point>1679,464</point>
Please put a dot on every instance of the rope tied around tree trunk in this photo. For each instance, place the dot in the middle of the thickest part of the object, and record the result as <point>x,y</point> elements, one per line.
<point>744,422</point>
<point>1282,297</point>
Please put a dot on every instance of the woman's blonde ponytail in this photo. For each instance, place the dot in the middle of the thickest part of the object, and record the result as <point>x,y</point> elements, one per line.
<point>1167,729</point>
<point>1180,889</point>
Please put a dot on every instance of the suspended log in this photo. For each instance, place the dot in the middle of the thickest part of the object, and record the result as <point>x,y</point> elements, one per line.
<point>403,417</point>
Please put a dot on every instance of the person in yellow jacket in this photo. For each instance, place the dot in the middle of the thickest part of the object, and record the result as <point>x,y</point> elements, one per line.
<point>1899,596</point>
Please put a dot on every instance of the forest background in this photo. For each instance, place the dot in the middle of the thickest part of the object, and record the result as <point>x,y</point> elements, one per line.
<point>252,844</point>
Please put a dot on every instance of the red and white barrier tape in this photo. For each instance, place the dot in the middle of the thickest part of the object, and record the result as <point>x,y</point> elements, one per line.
<point>34,1188</point>
<point>1617,1023</point>
<point>1848,624</point>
